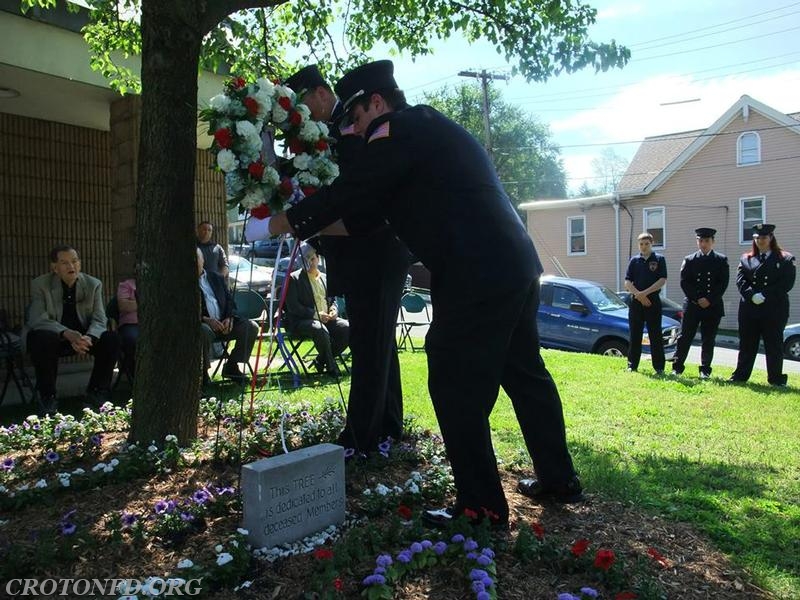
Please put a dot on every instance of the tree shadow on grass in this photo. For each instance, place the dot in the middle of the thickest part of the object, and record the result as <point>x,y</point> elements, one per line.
<point>737,506</point>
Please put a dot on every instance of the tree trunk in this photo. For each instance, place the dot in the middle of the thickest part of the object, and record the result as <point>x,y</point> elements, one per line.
<point>168,353</point>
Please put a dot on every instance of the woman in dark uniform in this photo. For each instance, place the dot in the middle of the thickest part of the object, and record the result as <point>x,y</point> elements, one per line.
<point>765,276</point>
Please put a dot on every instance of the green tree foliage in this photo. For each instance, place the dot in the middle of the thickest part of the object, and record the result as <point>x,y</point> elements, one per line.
<point>527,161</point>
<point>176,38</point>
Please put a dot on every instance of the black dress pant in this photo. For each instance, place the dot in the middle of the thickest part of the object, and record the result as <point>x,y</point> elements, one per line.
<point>767,323</point>
<point>638,316</point>
<point>375,404</point>
<point>708,320</point>
<point>128,336</point>
<point>46,347</point>
<point>474,346</point>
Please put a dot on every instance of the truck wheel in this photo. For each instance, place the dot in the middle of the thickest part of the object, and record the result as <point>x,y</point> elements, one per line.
<point>613,348</point>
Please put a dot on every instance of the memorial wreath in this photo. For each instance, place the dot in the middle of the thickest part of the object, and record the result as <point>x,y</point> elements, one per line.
<point>245,120</point>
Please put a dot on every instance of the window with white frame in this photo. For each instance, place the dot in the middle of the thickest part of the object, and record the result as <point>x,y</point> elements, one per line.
<point>576,234</point>
<point>653,219</point>
<point>748,149</point>
<point>752,211</point>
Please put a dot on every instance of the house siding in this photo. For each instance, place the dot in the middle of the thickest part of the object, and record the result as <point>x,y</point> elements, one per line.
<point>703,192</point>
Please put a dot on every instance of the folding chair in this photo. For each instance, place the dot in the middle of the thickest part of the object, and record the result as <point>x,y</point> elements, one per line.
<point>11,356</point>
<point>413,313</point>
<point>249,305</point>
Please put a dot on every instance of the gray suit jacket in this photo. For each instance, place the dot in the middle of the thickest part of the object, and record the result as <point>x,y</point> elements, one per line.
<point>47,305</point>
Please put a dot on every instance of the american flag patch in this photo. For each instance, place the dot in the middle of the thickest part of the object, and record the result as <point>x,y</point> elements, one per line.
<point>381,132</point>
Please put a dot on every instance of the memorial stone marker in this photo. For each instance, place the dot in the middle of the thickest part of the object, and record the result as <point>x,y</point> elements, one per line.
<point>291,496</point>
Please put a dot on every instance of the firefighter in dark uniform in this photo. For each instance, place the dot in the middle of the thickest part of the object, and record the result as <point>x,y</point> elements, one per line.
<point>704,279</point>
<point>646,275</point>
<point>369,270</point>
<point>765,276</point>
<point>437,188</point>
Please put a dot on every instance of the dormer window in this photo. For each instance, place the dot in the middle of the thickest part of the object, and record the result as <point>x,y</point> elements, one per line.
<point>748,149</point>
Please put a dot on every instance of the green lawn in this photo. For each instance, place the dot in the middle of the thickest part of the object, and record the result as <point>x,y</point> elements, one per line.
<point>725,458</point>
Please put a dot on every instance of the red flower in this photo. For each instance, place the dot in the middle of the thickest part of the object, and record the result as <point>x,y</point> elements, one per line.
<point>256,170</point>
<point>296,146</point>
<point>404,512</point>
<point>538,530</point>
<point>295,118</point>
<point>604,559</point>
<point>579,547</point>
<point>323,554</point>
<point>658,557</point>
<point>321,145</point>
<point>470,514</point>
<point>490,514</point>
<point>223,137</point>
<point>626,596</point>
<point>238,83</point>
<point>260,212</point>
<point>286,187</point>
<point>308,190</point>
<point>338,585</point>
<point>251,105</point>
<point>285,102</point>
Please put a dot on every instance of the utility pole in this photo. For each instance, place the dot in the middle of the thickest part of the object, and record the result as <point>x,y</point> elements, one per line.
<point>485,77</point>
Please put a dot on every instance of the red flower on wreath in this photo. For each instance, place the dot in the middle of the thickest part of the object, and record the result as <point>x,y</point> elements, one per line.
<point>538,530</point>
<point>223,137</point>
<point>256,170</point>
<point>286,187</point>
<point>404,512</point>
<point>296,146</point>
<point>295,118</point>
<point>308,190</point>
<point>238,83</point>
<point>604,559</point>
<point>338,585</point>
<point>626,596</point>
<point>251,105</point>
<point>579,547</point>
<point>260,212</point>
<point>321,145</point>
<point>285,102</point>
<point>323,554</point>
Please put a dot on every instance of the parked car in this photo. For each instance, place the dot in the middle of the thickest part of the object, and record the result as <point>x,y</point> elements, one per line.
<point>669,308</point>
<point>262,248</point>
<point>791,342</point>
<point>244,275</point>
<point>581,315</point>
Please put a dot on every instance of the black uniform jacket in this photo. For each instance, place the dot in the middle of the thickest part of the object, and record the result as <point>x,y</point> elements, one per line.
<point>774,279</point>
<point>435,185</point>
<point>705,276</point>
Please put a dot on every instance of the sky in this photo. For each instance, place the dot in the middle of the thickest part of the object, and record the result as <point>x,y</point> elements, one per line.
<point>690,61</point>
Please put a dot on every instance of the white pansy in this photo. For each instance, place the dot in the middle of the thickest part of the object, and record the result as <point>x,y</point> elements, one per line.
<point>220,103</point>
<point>218,548</point>
<point>98,467</point>
<point>185,563</point>
<point>152,448</point>
<point>40,484</point>
<point>226,160</point>
<point>242,531</point>
<point>224,559</point>
<point>113,462</point>
<point>79,471</point>
<point>3,489</point>
<point>171,438</point>
<point>381,489</point>
<point>32,419</point>
<point>367,492</point>
<point>302,161</point>
<point>241,586</point>
<point>412,487</point>
<point>108,469</point>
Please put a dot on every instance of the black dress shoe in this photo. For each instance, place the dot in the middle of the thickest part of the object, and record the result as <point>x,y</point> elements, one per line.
<point>566,493</point>
<point>234,374</point>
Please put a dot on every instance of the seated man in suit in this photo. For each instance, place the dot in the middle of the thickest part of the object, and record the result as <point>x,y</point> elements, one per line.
<point>310,313</point>
<point>67,316</point>
<point>219,322</point>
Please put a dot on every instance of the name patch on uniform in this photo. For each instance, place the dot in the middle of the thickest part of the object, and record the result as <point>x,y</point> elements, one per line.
<point>381,132</point>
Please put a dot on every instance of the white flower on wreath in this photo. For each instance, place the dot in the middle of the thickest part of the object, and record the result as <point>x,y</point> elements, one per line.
<point>302,161</point>
<point>253,197</point>
<point>220,103</point>
<point>234,184</point>
<point>279,115</point>
<point>226,160</point>
<point>308,178</point>
<point>265,86</point>
<point>304,111</point>
<point>270,177</point>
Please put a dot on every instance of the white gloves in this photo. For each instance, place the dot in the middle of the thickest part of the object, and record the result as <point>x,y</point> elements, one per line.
<point>257,229</point>
<point>758,298</point>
